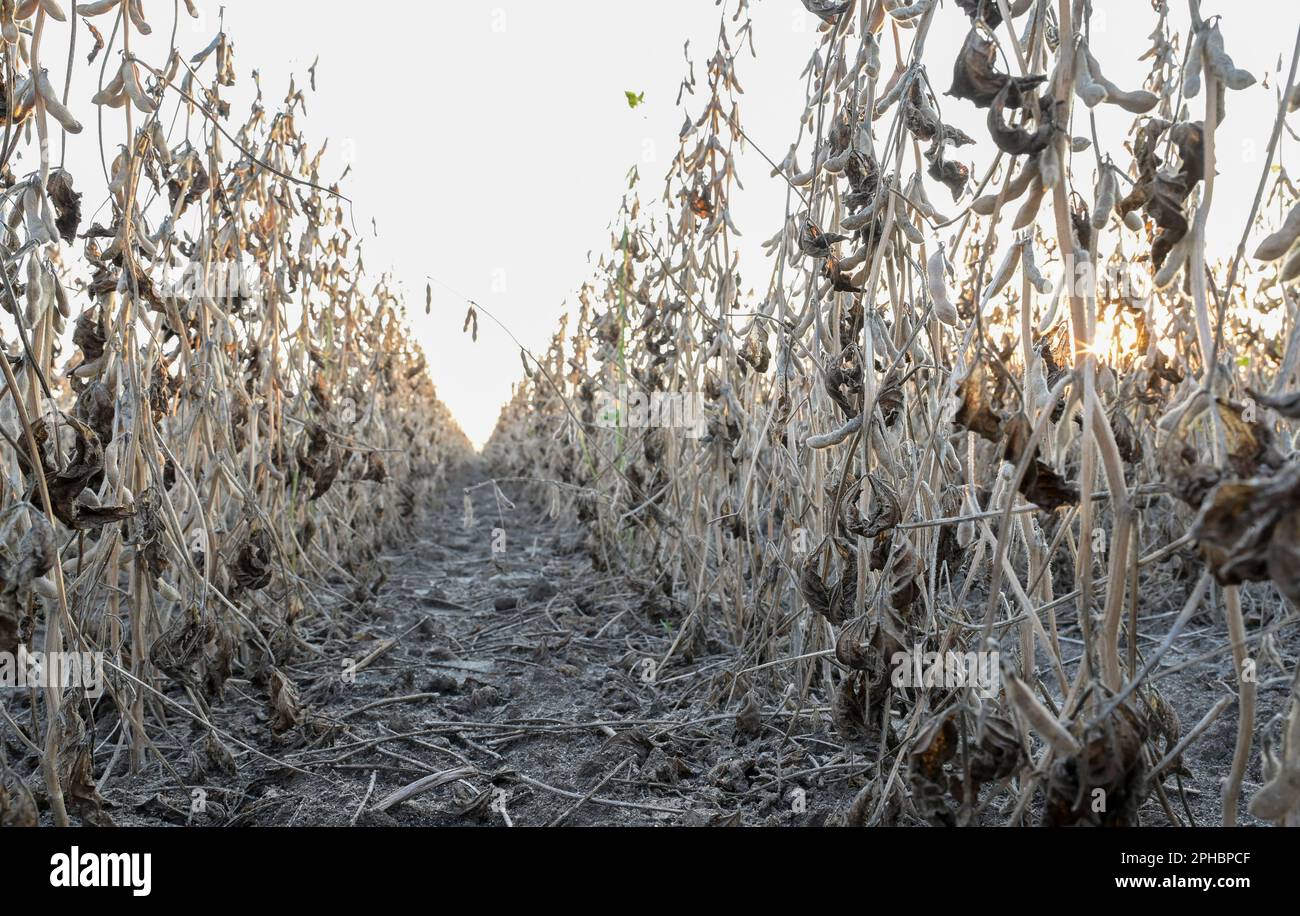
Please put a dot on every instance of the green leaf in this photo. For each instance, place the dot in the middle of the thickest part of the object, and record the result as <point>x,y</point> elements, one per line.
<point>633,99</point>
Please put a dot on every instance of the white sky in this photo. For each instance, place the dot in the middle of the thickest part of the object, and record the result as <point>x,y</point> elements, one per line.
<point>490,139</point>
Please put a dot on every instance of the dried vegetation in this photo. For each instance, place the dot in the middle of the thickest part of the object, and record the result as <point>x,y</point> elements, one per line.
<point>211,418</point>
<point>928,432</point>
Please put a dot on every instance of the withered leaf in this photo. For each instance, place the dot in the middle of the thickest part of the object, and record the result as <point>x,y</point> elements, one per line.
<point>827,10</point>
<point>95,408</point>
<point>700,206</point>
<point>253,565</point>
<point>935,745</point>
<point>67,204</point>
<point>923,122</point>
<point>975,79</point>
<point>85,467</point>
<point>1157,191</point>
<point>285,708</point>
<point>1015,141</point>
<point>319,460</point>
<point>8,633</point>
<point>853,644</point>
<point>1046,489</point>
<point>1112,761</point>
<point>749,719</point>
<point>178,650</point>
<point>886,512</point>
<point>1250,442</point>
<point>89,334</point>
<point>1250,448</point>
<point>986,10</point>
<point>1247,531</point>
<point>975,414</point>
<point>817,244</point>
<point>81,794</point>
<point>953,175</point>
<point>840,281</point>
<point>899,577</point>
<point>834,602</point>
<point>813,588</point>
<point>17,806</point>
<point>890,398</point>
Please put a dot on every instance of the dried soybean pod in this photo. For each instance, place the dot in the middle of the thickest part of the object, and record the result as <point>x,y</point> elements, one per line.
<point>1038,718</point>
<point>1173,262</point>
<point>835,165</point>
<point>906,226</point>
<point>1280,242</point>
<point>136,11</point>
<point>26,9</point>
<point>1229,74</point>
<point>871,49</point>
<point>1001,276</point>
<point>905,16</point>
<point>901,80</point>
<point>803,179</point>
<point>855,221</point>
<point>1029,209</point>
<point>1030,265</point>
<point>1085,87</point>
<point>54,106</point>
<point>1291,269</point>
<point>35,312</point>
<point>944,310</point>
<point>113,94</point>
<point>1053,305</point>
<point>1139,101</point>
<point>1192,71</point>
<point>1107,190</point>
<point>131,83</point>
<point>1049,166</point>
<point>159,141</point>
<point>61,297</point>
<point>985,204</point>
<point>915,192</point>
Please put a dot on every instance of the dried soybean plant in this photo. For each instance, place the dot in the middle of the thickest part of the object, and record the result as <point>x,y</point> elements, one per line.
<point>183,482</point>
<point>1008,412</point>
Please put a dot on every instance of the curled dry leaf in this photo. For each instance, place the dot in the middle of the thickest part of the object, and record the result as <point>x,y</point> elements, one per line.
<point>1110,761</point>
<point>1160,192</point>
<point>286,713</point>
<point>974,77</point>
<point>1249,531</point>
<point>827,10</point>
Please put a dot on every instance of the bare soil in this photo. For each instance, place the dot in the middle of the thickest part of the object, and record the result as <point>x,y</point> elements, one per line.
<point>518,684</point>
